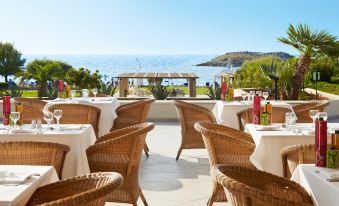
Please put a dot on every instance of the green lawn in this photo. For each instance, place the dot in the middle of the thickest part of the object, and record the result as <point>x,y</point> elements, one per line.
<point>30,93</point>
<point>332,88</point>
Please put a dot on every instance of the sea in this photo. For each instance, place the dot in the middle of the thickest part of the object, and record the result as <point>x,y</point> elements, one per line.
<point>112,65</point>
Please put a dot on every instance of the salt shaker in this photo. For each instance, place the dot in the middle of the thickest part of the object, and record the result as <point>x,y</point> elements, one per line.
<point>33,125</point>
<point>39,124</point>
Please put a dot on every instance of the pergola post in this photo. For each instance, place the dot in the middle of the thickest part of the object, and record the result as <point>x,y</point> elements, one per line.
<point>192,87</point>
<point>123,87</point>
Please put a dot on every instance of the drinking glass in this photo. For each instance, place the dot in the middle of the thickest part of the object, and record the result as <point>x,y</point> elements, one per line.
<point>57,115</point>
<point>85,93</point>
<point>289,118</point>
<point>73,92</point>
<point>48,117</point>
<point>313,115</point>
<point>259,93</point>
<point>323,115</point>
<point>15,116</point>
<point>95,91</point>
<point>265,95</point>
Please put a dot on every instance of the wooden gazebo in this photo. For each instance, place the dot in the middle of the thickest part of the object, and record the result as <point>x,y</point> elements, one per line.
<point>156,77</point>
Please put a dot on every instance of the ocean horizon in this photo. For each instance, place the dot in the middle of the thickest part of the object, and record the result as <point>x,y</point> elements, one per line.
<point>112,65</point>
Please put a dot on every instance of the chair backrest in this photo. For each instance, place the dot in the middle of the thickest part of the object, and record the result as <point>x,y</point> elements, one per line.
<point>294,155</point>
<point>245,116</point>
<point>248,187</point>
<point>32,109</point>
<point>132,113</point>
<point>88,190</point>
<point>79,114</point>
<point>189,114</point>
<point>302,110</point>
<point>119,153</point>
<point>34,153</point>
<point>224,146</point>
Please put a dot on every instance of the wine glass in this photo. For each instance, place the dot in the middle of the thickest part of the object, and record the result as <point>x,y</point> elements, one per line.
<point>313,115</point>
<point>57,115</point>
<point>48,117</point>
<point>95,91</point>
<point>265,95</point>
<point>252,93</point>
<point>15,116</point>
<point>322,115</point>
<point>243,95</point>
<point>289,118</point>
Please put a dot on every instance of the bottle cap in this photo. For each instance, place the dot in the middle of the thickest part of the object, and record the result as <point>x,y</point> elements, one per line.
<point>336,131</point>
<point>268,103</point>
<point>321,119</point>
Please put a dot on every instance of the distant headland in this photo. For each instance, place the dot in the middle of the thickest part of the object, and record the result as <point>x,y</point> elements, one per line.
<point>237,58</point>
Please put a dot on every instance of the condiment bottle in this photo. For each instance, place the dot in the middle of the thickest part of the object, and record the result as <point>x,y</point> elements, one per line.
<point>256,109</point>
<point>321,143</point>
<point>335,140</point>
<point>19,108</point>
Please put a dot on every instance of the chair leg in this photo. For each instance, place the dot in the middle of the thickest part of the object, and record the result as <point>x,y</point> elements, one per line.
<point>213,195</point>
<point>143,199</point>
<point>146,153</point>
<point>179,152</point>
<point>146,147</point>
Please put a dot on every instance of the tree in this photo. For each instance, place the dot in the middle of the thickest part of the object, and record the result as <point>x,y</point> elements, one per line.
<point>10,60</point>
<point>43,74</point>
<point>83,78</point>
<point>310,44</point>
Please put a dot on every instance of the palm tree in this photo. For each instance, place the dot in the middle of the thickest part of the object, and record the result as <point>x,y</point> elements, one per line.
<point>43,74</point>
<point>310,44</point>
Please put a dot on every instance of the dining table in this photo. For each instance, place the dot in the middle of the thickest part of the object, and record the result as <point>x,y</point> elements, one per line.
<point>269,142</point>
<point>77,136</point>
<point>107,105</point>
<point>315,180</point>
<point>19,182</point>
<point>226,112</point>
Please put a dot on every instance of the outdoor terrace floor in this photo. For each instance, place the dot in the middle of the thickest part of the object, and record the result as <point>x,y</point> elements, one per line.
<point>166,182</point>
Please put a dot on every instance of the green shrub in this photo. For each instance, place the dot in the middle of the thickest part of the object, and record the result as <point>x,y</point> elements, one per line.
<point>159,92</point>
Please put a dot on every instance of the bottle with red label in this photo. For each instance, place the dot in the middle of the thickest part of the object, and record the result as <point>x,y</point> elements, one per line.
<point>223,90</point>
<point>6,109</point>
<point>321,143</point>
<point>256,109</point>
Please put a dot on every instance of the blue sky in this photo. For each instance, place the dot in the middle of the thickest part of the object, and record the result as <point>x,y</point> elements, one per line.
<point>158,26</point>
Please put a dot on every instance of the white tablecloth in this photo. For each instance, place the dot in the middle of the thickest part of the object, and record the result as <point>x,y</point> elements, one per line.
<point>18,195</point>
<point>107,106</point>
<point>266,155</point>
<point>312,178</point>
<point>78,140</point>
<point>226,112</point>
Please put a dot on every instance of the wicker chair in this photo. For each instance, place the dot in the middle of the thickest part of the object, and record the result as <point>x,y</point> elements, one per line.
<point>225,146</point>
<point>131,114</point>
<point>79,114</point>
<point>248,187</point>
<point>245,116</point>
<point>189,114</point>
<point>88,190</point>
<point>34,153</point>
<point>302,110</point>
<point>120,151</point>
<point>32,109</point>
<point>294,155</point>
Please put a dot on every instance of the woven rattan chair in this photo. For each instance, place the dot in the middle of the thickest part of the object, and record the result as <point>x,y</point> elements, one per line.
<point>189,114</point>
<point>34,153</point>
<point>32,109</point>
<point>225,146</point>
<point>245,116</point>
<point>248,187</point>
<point>79,114</point>
<point>131,114</point>
<point>88,190</point>
<point>294,155</point>
<point>120,151</point>
<point>302,110</point>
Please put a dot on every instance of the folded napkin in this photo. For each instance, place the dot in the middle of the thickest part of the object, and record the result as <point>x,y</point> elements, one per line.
<point>273,127</point>
<point>331,174</point>
<point>71,127</point>
<point>13,178</point>
<point>18,130</point>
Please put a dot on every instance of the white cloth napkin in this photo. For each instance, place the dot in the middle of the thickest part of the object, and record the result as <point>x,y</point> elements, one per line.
<point>71,127</point>
<point>13,178</point>
<point>273,127</point>
<point>331,174</point>
<point>18,130</point>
